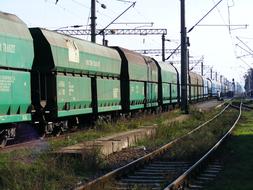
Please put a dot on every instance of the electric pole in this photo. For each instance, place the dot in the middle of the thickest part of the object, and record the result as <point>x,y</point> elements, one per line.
<point>93,21</point>
<point>163,47</point>
<point>202,68</point>
<point>184,66</point>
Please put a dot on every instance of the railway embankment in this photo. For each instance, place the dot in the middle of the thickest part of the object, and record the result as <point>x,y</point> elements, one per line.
<point>25,167</point>
<point>236,155</point>
<point>119,141</point>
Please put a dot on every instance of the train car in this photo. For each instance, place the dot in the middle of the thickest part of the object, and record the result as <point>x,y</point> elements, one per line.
<point>224,86</point>
<point>72,77</point>
<point>152,83</point>
<point>207,88</point>
<point>54,80</point>
<point>215,88</point>
<point>238,92</point>
<point>169,85</point>
<point>196,87</point>
<point>230,92</point>
<point>134,77</point>
<point>16,56</point>
<point>226,90</point>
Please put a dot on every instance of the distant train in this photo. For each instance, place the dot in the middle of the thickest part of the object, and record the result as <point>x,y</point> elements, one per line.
<point>54,81</point>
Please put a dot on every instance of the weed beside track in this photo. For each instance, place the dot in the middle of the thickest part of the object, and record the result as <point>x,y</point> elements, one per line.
<point>39,169</point>
<point>236,155</point>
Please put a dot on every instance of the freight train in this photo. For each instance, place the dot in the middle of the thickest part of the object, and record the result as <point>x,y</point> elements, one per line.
<point>54,81</point>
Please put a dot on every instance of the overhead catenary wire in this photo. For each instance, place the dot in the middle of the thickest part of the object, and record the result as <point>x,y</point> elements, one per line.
<point>221,16</point>
<point>243,49</point>
<point>245,63</point>
<point>125,1</point>
<point>204,16</point>
<point>244,44</point>
<point>196,25</point>
<point>132,5</point>
<point>229,20</point>
<point>81,4</point>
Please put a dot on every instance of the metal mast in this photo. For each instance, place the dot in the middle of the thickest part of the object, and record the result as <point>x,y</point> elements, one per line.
<point>184,65</point>
<point>93,21</point>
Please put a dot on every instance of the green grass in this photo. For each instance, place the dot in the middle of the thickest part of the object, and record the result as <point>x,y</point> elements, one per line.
<point>104,128</point>
<point>31,170</point>
<point>193,146</point>
<point>237,156</point>
<point>37,173</point>
<point>39,169</point>
<point>168,131</point>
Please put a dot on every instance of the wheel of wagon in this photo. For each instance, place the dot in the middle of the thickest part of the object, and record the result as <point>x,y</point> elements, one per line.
<point>41,131</point>
<point>42,135</point>
<point>74,127</point>
<point>57,131</point>
<point>3,142</point>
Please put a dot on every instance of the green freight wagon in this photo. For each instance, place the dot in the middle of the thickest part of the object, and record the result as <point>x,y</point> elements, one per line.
<point>152,83</point>
<point>73,77</point>
<point>16,56</point>
<point>207,87</point>
<point>134,77</point>
<point>169,84</point>
<point>196,86</point>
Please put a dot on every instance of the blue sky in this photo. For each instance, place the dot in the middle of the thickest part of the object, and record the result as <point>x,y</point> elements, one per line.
<point>216,44</point>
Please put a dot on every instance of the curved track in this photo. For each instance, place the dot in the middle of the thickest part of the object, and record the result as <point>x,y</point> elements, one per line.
<point>153,171</point>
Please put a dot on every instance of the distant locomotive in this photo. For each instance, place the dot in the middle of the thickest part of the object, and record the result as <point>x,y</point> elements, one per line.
<point>54,81</point>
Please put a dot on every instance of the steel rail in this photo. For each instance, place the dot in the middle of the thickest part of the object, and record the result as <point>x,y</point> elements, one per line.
<point>25,144</point>
<point>179,183</point>
<point>246,106</point>
<point>100,182</point>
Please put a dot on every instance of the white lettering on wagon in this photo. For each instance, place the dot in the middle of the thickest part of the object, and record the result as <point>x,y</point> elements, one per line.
<point>115,92</point>
<point>7,48</point>
<point>92,63</point>
<point>61,88</point>
<point>71,88</point>
<point>6,82</point>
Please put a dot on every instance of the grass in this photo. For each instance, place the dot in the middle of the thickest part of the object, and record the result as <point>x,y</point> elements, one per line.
<point>193,146</point>
<point>237,156</point>
<point>40,172</point>
<point>105,128</point>
<point>29,170</point>
<point>168,131</point>
<point>40,169</point>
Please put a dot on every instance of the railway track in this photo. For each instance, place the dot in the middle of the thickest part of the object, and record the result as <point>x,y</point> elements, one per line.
<point>156,171</point>
<point>37,141</point>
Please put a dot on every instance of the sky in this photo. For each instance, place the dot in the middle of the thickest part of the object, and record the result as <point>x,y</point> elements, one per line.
<point>227,50</point>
